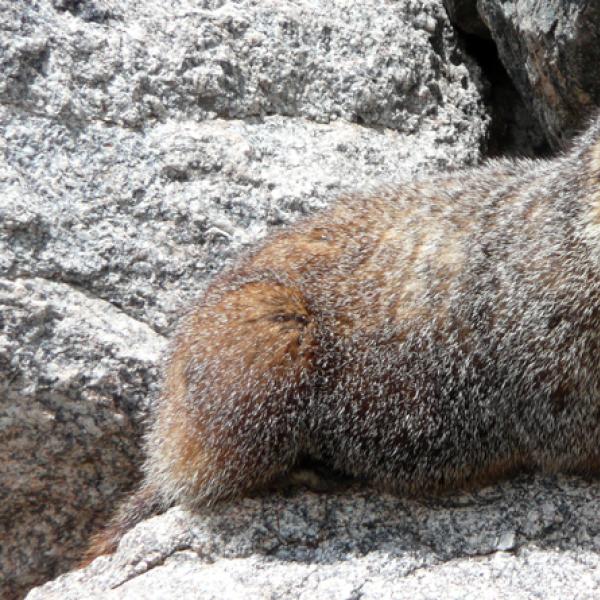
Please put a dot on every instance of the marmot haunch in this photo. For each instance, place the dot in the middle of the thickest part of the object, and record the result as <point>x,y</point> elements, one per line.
<point>422,338</point>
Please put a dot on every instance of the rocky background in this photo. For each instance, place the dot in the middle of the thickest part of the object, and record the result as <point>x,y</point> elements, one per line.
<point>143,144</point>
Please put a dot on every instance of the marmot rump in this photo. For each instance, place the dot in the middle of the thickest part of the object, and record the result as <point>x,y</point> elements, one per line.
<point>421,338</point>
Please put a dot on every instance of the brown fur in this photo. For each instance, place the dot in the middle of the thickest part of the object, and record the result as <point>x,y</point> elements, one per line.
<point>426,338</point>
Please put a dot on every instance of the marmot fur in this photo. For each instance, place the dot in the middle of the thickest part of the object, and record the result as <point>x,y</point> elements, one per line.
<point>422,338</point>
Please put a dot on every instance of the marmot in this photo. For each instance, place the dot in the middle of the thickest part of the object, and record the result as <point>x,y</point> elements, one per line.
<point>422,338</point>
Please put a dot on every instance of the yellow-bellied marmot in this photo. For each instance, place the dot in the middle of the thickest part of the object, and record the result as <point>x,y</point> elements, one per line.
<point>425,337</point>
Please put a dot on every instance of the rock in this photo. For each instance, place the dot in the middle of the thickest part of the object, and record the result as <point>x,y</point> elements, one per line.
<point>552,52</point>
<point>143,145</point>
<point>75,373</point>
<point>195,60</point>
<point>499,542</point>
<point>515,131</point>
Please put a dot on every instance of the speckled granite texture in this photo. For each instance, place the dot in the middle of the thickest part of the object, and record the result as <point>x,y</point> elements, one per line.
<point>529,538</point>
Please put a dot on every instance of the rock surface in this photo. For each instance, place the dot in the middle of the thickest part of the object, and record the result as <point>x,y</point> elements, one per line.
<point>530,538</point>
<point>144,144</point>
<point>74,367</point>
<point>551,50</point>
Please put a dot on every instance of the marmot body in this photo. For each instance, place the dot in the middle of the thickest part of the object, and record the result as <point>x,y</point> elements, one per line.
<point>422,338</point>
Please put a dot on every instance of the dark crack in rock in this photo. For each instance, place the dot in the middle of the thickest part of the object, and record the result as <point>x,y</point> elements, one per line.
<point>551,50</point>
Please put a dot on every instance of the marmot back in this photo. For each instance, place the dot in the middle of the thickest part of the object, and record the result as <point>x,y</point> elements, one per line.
<point>422,338</point>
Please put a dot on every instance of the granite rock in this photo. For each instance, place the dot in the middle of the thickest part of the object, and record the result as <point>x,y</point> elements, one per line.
<point>551,51</point>
<point>528,538</point>
<point>387,65</point>
<point>74,371</point>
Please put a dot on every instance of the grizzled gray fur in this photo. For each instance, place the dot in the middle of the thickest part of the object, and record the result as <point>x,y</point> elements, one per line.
<point>424,338</point>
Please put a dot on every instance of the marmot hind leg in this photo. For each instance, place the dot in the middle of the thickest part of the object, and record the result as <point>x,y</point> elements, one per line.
<point>232,416</point>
